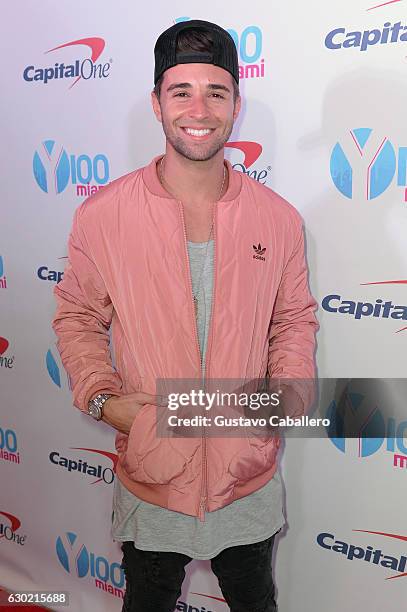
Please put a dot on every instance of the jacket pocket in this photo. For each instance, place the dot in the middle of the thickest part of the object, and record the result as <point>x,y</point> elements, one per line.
<point>253,456</point>
<point>149,458</point>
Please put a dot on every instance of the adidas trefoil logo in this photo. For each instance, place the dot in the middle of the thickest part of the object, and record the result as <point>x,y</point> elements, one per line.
<point>259,252</point>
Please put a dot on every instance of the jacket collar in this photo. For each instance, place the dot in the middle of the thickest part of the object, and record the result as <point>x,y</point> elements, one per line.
<point>153,183</point>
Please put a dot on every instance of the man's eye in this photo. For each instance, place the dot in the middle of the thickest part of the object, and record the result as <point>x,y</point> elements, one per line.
<point>181,93</point>
<point>218,95</point>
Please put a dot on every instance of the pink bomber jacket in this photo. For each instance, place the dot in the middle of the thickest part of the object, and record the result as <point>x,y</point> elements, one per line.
<point>128,269</point>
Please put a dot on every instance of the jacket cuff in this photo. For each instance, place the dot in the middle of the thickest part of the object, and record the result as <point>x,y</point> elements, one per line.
<point>305,389</point>
<point>103,386</point>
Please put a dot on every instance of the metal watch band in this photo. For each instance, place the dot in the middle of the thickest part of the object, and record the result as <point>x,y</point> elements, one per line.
<point>95,406</point>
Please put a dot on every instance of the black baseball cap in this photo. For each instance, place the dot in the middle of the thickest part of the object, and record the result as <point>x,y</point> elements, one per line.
<point>223,52</point>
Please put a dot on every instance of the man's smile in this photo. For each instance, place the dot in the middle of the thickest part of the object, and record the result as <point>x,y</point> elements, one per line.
<point>198,134</point>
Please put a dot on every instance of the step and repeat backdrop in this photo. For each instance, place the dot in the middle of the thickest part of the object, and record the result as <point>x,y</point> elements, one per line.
<point>324,124</point>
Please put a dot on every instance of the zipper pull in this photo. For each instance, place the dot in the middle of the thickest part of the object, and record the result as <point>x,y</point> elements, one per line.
<point>202,505</point>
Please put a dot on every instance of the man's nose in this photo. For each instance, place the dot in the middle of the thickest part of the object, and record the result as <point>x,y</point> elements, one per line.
<point>198,108</point>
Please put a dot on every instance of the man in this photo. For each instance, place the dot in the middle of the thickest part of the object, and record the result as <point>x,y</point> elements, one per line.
<point>200,272</point>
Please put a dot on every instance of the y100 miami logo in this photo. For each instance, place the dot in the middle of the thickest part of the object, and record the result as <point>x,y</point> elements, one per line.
<point>9,526</point>
<point>249,45</point>
<point>363,164</point>
<point>369,553</point>
<point>54,367</point>
<point>358,415</point>
<point>251,152</point>
<point>54,168</point>
<point>341,38</point>
<point>8,445</point>
<point>77,560</point>
<point>3,280</point>
<point>86,69</point>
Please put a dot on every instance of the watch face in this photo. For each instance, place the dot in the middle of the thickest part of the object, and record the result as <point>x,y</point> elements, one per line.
<point>94,411</point>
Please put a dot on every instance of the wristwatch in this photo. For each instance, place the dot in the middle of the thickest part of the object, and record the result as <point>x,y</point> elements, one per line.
<point>95,406</point>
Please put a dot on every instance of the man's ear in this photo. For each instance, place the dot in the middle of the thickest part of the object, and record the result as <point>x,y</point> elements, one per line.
<point>236,110</point>
<point>156,106</point>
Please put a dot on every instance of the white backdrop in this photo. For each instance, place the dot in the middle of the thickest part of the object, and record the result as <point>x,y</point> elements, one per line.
<point>325,96</point>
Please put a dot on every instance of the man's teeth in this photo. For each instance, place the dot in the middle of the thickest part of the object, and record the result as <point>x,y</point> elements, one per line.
<point>197,132</point>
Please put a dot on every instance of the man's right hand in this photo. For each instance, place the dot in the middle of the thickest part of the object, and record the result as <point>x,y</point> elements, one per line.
<point>120,411</point>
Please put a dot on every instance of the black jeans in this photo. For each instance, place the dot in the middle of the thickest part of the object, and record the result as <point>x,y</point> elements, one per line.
<point>154,579</point>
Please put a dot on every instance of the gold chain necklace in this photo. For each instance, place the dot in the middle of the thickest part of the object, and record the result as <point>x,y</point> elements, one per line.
<point>196,293</point>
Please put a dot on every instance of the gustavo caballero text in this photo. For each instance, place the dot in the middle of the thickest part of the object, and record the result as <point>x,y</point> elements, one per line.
<point>222,421</point>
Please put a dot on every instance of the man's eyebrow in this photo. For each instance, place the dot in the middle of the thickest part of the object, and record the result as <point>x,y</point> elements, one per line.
<point>179,85</point>
<point>211,86</point>
<point>218,86</point>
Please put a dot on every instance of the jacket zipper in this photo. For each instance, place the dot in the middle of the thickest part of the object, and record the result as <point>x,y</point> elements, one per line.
<point>207,361</point>
<point>204,488</point>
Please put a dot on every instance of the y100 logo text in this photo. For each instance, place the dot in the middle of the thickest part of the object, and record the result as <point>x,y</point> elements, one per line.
<point>363,164</point>
<point>54,168</point>
<point>249,45</point>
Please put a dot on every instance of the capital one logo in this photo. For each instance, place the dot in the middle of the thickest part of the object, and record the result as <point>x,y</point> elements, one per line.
<point>102,474</point>
<point>251,152</point>
<point>357,415</point>
<point>13,520</point>
<point>81,69</point>
<point>53,169</point>
<point>5,360</point>
<point>364,163</point>
<point>8,529</point>
<point>368,554</point>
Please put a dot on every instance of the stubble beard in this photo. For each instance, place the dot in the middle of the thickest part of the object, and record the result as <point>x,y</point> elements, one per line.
<point>200,152</point>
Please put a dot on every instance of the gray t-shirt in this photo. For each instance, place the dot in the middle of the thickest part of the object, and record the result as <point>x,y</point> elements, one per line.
<point>247,520</point>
